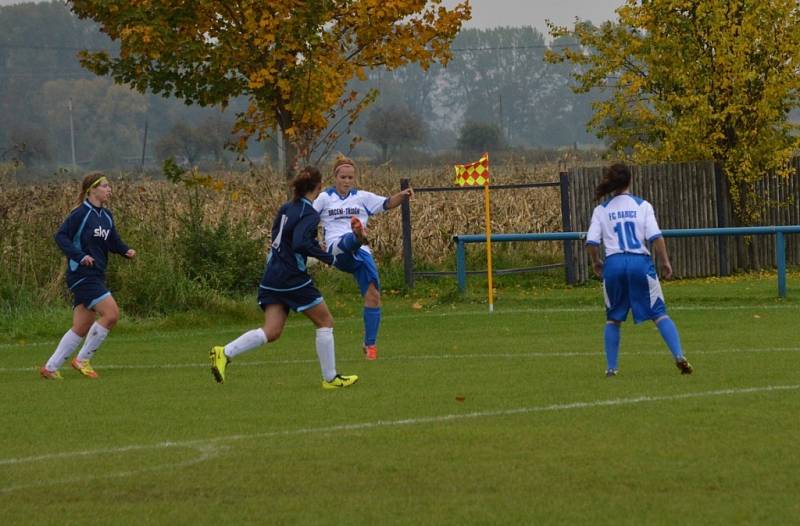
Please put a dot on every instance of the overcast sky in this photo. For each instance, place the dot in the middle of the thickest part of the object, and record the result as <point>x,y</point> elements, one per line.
<point>493,13</point>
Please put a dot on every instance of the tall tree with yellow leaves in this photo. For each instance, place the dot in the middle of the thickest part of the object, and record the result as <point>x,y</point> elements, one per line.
<point>696,79</point>
<point>292,59</point>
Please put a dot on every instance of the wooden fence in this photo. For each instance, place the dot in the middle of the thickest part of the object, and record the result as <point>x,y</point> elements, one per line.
<point>695,195</point>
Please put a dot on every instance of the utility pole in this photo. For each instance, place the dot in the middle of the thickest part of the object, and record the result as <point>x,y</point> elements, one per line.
<point>502,119</point>
<point>144,145</point>
<point>281,152</point>
<point>72,136</point>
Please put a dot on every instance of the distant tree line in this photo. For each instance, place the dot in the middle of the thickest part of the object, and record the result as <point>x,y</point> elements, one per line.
<point>496,92</point>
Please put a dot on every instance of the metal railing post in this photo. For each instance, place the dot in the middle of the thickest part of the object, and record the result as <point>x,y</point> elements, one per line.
<point>780,262</point>
<point>461,266</point>
<point>566,226</point>
<point>408,257</point>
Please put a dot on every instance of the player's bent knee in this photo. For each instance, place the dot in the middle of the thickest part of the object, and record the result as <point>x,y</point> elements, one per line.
<point>272,334</point>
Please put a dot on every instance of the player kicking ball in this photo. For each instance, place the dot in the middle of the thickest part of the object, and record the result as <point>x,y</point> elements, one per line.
<point>344,211</point>
<point>286,285</point>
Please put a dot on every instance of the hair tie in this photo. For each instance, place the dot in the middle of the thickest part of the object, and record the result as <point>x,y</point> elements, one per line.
<point>100,180</point>
<point>345,163</point>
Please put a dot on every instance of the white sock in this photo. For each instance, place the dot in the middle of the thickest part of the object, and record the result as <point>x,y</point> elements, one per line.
<point>326,353</point>
<point>245,342</point>
<point>94,339</point>
<point>69,342</point>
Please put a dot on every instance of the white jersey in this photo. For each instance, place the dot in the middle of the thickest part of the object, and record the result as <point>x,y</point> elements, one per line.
<point>623,224</point>
<point>335,211</point>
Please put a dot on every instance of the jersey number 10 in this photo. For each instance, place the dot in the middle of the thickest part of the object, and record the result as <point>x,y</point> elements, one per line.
<point>629,233</point>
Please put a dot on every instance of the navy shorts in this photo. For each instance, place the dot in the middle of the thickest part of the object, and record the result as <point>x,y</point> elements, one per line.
<point>298,299</point>
<point>630,283</point>
<point>89,292</point>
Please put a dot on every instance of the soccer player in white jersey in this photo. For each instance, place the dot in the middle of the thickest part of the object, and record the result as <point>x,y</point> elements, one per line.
<point>344,212</point>
<point>624,224</point>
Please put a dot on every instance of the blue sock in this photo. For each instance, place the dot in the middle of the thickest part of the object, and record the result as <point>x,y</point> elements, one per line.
<point>349,243</point>
<point>372,321</point>
<point>611,338</point>
<point>669,332</point>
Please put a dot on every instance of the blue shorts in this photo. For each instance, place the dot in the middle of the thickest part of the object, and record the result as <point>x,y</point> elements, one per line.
<point>298,299</point>
<point>89,292</point>
<point>361,265</point>
<point>630,282</point>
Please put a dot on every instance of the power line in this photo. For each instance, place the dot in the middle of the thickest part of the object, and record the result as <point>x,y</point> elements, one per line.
<point>483,48</point>
<point>507,48</point>
<point>53,48</point>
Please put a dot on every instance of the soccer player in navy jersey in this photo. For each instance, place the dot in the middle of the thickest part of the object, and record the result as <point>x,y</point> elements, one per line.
<point>286,284</point>
<point>86,237</point>
<point>344,211</point>
<point>624,224</point>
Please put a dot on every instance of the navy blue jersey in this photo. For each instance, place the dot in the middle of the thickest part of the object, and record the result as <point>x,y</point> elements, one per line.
<point>88,231</point>
<point>294,239</point>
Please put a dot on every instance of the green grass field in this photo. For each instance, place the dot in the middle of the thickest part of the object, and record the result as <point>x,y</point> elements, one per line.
<point>540,437</point>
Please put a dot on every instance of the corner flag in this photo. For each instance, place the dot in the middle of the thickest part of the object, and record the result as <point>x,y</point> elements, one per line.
<point>477,174</point>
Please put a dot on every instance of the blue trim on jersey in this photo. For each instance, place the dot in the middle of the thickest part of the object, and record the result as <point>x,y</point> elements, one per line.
<point>593,243</point>
<point>76,283</point>
<point>312,304</point>
<point>655,237</point>
<point>98,300</point>
<point>76,240</point>
<point>286,290</point>
<point>300,263</point>
<point>332,191</point>
<point>386,203</point>
<point>103,212</point>
<point>636,198</point>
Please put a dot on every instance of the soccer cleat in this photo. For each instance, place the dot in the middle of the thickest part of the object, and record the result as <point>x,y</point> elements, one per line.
<point>340,381</point>
<point>359,230</point>
<point>684,366</point>
<point>218,363</point>
<point>47,374</point>
<point>611,373</point>
<point>370,352</point>
<point>83,367</point>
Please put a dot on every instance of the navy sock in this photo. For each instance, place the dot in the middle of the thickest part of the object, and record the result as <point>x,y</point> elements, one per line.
<point>611,338</point>
<point>669,332</point>
<point>372,321</point>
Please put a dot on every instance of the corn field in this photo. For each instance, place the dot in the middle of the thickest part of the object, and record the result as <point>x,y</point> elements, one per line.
<point>152,214</point>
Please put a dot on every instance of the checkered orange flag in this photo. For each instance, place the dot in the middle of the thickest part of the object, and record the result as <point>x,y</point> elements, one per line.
<point>473,174</point>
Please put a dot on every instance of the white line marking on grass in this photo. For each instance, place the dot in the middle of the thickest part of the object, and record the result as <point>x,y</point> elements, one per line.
<point>203,442</point>
<point>206,452</point>
<point>181,333</point>
<point>410,357</point>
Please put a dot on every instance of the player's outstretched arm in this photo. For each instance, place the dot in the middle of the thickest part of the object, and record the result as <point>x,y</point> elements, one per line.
<point>400,197</point>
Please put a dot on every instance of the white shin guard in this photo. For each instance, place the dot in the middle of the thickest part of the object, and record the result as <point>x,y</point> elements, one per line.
<point>69,342</point>
<point>246,342</point>
<point>326,353</point>
<point>97,334</point>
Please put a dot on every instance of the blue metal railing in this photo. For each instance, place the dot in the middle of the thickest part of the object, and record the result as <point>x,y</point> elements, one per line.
<point>778,231</point>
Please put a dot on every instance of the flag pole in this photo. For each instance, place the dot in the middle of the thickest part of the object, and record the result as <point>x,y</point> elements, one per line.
<point>487,206</point>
